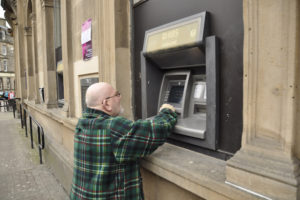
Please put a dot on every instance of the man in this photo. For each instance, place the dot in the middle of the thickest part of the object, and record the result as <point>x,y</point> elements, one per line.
<point>107,147</point>
<point>11,95</point>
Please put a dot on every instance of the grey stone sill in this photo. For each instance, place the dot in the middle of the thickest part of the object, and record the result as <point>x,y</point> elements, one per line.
<point>54,113</point>
<point>197,173</point>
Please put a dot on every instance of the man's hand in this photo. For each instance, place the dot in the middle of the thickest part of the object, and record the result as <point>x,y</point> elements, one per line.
<point>167,106</point>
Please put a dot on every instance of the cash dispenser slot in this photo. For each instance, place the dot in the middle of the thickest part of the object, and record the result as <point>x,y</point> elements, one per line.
<point>179,66</point>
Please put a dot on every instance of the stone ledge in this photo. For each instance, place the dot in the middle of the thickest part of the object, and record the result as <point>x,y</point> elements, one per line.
<point>275,177</point>
<point>53,113</point>
<point>199,174</point>
<point>60,162</point>
<point>285,170</point>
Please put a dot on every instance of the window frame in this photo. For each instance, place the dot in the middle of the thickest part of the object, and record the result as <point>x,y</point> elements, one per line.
<point>3,35</point>
<point>4,50</point>
<point>4,62</point>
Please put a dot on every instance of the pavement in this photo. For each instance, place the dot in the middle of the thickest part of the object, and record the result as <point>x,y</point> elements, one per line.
<point>22,177</point>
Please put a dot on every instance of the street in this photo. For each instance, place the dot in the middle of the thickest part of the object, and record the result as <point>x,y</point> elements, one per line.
<point>22,177</point>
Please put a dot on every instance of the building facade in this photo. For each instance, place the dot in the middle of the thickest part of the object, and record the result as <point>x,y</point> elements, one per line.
<point>7,60</point>
<point>63,46</point>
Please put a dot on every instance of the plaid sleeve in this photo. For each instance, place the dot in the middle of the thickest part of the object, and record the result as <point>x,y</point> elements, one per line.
<point>133,140</point>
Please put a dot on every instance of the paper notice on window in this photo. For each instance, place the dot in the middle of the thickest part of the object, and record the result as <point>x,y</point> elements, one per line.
<point>86,31</point>
<point>199,90</point>
<point>86,36</point>
<point>86,39</point>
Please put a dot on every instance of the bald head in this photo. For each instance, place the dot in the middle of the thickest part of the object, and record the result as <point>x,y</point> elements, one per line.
<point>96,93</point>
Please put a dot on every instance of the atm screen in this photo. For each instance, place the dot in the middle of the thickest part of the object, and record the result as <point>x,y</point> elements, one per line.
<point>176,93</point>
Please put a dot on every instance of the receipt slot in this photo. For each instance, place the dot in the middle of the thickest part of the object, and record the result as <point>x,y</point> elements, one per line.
<point>179,66</point>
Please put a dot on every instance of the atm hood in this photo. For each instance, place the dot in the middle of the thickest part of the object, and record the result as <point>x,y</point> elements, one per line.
<point>178,44</point>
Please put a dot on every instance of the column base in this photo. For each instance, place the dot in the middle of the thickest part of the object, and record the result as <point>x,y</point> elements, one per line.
<point>65,109</point>
<point>51,105</point>
<point>273,177</point>
<point>37,101</point>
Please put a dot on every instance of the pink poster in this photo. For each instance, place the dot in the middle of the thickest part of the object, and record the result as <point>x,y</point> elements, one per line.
<point>86,39</point>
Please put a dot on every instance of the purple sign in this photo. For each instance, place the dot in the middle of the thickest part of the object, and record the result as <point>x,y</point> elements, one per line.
<point>86,39</point>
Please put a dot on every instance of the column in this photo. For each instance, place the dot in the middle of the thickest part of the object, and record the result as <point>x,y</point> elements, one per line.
<point>67,58</point>
<point>18,89</point>
<point>268,161</point>
<point>34,58</point>
<point>107,65</point>
<point>20,65</point>
<point>123,35</point>
<point>115,48</point>
<point>49,67</point>
<point>29,67</point>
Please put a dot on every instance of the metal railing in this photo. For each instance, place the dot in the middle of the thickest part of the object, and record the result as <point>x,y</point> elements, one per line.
<point>40,131</point>
<point>12,103</point>
<point>4,106</point>
<point>7,104</point>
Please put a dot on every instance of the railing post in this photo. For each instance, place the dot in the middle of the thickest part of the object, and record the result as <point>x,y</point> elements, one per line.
<point>43,140</point>
<point>21,116</point>
<point>14,103</point>
<point>40,152</point>
<point>31,137</point>
<point>7,105</point>
<point>25,121</point>
<point>39,137</point>
<point>40,149</point>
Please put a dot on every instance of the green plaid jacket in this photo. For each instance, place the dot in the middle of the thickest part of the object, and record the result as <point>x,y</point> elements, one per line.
<point>107,151</point>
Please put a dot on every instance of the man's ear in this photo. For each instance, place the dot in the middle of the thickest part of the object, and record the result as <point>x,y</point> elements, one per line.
<point>106,106</point>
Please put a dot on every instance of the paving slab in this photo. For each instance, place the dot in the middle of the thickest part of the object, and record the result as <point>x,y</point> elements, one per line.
<point>22,177</point>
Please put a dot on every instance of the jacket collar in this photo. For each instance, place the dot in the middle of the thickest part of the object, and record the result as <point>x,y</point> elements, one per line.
<point>94,112</point>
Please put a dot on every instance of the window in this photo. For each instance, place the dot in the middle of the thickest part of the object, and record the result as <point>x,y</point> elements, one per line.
<point>4,51</point>
<point>3,35</point>
<point>5,65</point>
<point>84,84</point>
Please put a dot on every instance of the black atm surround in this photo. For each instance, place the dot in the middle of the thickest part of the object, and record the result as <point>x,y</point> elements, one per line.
<point>200,62</point>
<point>227,23</point>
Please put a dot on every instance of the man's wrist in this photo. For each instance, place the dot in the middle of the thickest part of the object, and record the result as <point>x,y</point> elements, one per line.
<point>167,106</point>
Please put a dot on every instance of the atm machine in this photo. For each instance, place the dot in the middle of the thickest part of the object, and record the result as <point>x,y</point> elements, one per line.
<point>179,66</point>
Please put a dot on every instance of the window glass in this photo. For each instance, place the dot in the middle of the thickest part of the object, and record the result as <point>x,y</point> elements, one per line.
<point>3,35</point>
<point>4,52</point>
<point>5,65</point>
